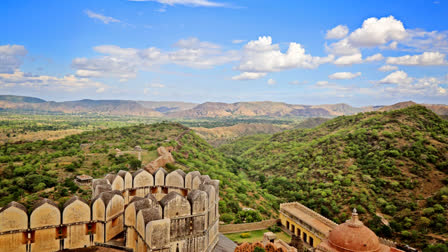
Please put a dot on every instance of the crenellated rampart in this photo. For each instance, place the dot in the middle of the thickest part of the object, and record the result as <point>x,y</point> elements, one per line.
<point>153,212</point>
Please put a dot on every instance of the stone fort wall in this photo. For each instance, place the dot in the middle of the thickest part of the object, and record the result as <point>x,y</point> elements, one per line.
<point>156,212</point>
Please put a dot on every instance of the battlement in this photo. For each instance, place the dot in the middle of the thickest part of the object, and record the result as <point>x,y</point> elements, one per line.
<point>156,212</point>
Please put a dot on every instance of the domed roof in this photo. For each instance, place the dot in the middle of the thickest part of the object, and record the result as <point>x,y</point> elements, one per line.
<point>354,236</point>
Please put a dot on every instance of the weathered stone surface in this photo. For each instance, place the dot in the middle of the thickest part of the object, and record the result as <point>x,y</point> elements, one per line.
<point>76,215</point>
<point>174,205</point>
<point>183,220</point>
<point>46,217</point>
<point>158,233</point>
<point>159,177</point>
<point>176,179</point>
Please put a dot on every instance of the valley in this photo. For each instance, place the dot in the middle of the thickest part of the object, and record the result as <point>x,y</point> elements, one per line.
<point>390,164</point>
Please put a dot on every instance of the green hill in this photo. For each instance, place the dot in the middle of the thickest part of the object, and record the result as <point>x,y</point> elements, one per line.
<point>392,164</point>
<point>47,168</point>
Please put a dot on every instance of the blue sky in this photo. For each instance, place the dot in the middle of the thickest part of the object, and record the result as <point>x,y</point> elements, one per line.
<point>301,52</point>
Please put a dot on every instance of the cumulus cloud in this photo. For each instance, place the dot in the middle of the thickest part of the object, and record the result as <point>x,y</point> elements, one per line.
<point>349,60</point>
<point>124,63</point>
<point>68,83</point>
<point>405,85</point>
<point>11,57</point>
<point>249,76</point>
<point>342,47</point>
<point>337,32</point>
<point>272,82</point>
<point>344,75</point>
<point>375,32</point>
<point>375,57</point>
<point>424,59</point>
<point>101,17</point>
<point>261,56</point>
<point>195,3</point>
<point>397,77</point>
<point>387,68</point>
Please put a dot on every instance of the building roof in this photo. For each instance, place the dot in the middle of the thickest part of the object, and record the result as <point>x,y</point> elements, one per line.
<point>224,244</point>
<point>308,216</point>
<point>353,235</point>
<point>83,177</point>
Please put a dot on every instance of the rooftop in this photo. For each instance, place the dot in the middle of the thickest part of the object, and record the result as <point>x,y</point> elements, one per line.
<point>317,221</point>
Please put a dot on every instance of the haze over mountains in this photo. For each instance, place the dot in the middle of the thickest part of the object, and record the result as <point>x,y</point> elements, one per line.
<point>192,110</point>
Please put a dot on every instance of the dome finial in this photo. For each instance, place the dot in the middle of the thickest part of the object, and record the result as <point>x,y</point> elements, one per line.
<point>354,221</point>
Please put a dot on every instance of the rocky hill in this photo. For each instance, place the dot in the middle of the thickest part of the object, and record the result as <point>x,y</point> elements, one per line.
<point>391,165</point>
<point>185,110</point>
<point>439,109</point>
<point>219,135</point>
<point>266,108</point>
<point>86,106</point>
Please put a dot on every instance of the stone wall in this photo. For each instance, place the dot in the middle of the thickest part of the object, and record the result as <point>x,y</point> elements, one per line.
<point>234,228</point>
<point>159,212</point>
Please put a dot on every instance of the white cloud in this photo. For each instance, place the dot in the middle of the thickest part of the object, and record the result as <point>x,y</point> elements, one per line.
<point>403,85</point>
<point>263,56</point>
<point>124,63</point>
<point>248,76</point>
<point>421,41</point>
<point>337,32</point>
<point>322,83</point>
<point>342,47</point>
<point>68,83</point>
<point>397,77</point>
<point>272,82</point>
<point>375,57</point>
<point>387,68</point>
<point>375,32</point>
<point>195,3</point>
<point>11,57</point>
<point>101,17</point>
<point>349,60</point>
<point>344,75</point>
<point>424,59</point>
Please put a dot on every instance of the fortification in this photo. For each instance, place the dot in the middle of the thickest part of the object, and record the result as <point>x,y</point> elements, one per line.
<point>154,212</point>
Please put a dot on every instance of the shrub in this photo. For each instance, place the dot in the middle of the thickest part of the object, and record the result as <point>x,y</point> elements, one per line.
<point>275,229</point>
<point>245,235</point>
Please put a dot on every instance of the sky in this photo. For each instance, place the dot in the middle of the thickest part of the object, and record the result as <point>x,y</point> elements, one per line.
<point>299,51</point>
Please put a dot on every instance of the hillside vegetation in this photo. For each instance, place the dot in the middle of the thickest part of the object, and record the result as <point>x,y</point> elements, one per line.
<point>47,168</point>
<point>392,164</point>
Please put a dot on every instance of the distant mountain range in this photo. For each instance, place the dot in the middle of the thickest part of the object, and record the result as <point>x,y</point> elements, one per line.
<point>193,110</point>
